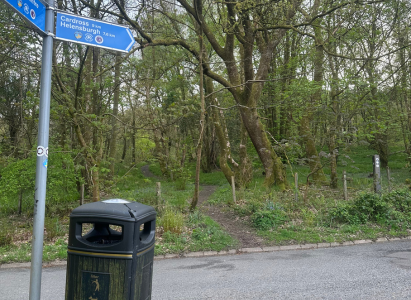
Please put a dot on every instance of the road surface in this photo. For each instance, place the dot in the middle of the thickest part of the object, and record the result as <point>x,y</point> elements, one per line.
<point>370,271</point>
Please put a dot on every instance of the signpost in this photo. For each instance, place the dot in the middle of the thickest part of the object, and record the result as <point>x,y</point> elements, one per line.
<point>93,32</point>
<point>42,157</point>
<point>33,11</point>
<point>376,173</point>
<point>72,28</point>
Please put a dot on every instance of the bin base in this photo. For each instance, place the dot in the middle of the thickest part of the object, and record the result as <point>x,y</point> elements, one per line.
<point>93,277</point>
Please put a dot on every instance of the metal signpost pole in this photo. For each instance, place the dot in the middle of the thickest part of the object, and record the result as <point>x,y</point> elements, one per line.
<point>42,155</point>
<point>72,28</point>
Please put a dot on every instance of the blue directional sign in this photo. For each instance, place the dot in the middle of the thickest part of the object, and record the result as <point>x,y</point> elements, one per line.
<point>33,11</point>
<point>93,32</point>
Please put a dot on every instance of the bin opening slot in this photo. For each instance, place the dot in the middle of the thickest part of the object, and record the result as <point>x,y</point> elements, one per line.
<point>102,233</point>
<point>145,230</point>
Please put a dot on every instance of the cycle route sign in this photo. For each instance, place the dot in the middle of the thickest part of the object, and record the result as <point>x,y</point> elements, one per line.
<point>93,32</point>
<point>33,11</point>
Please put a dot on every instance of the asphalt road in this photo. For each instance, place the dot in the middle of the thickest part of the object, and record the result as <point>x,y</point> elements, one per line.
<point>370,271</point>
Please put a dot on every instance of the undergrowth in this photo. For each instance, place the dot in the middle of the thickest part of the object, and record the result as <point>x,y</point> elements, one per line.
<point>200,233</point>
<point>315,214</point>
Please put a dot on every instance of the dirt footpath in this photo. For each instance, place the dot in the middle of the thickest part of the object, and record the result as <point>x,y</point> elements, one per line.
<point>231,223</point>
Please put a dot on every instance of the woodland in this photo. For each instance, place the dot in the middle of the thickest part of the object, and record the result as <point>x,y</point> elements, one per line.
<point>239,87</point>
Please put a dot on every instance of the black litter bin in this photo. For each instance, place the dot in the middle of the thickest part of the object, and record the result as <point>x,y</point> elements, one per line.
<point>110,251</point>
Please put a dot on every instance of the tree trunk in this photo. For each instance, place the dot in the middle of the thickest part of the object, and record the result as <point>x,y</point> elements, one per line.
<point>123,155</point>
<point>113,137</point>
<point>244,173</point>
<point>285,82</point>
<point>208,161</point>
<point>380,141</point>
<point>202,125</point>
<point>334,126</point>
<point>221,133</point>
<point>273,166</point>
<point>314,160</point>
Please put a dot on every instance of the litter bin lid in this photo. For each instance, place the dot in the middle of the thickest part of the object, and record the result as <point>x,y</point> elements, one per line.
<point>116,201</point>
<point>119,209</point>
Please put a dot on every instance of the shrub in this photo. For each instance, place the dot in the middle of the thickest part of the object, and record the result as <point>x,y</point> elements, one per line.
<point>6,233</point>
<point>371,207</point>
<point>53,228</point>
<point>346,213</point>
<point>182,176</point>
<point>366,207</point>
<point>249,208</point>
<point>271,215</point>
<point>392,209</point>
<point>5,238</point>
<point>400,199</point>
<point>172,221</point>
<point>195,218</point>
<point>309,217</point>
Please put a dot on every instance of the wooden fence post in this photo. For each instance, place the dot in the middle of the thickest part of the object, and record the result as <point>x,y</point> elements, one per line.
<point>82,194</point>
<point>233,188</point>
<point>389,179</point>
<point>20,200</point>
<point>345,186</point>
<point>158,192</point>
<point>296,186</point>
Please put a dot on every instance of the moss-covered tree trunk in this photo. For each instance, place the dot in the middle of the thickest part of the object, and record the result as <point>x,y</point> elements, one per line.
<point>247,97</point>
<point>380,137</point>
<point>244,173</point>
<point>221,133</point>
<point>273,166</point>
<point>116,98</point>
<point>314,160</point>
<point>209,157</point>
<point>202,118</point>
<point>334,126</point>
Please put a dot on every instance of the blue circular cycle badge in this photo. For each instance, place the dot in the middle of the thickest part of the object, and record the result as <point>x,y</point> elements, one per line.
<point>99,39</point>
<point>89,37</point>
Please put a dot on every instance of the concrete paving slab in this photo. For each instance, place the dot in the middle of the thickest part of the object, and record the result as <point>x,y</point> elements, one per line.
<point>194,254</point>
<point>309,246</point>
<point>381,240</point>
<point>359,242</point>
<point>290,247</point>
<point>348,243</point>
<point>210,253</point>
<point>271,248</point>
<point>251,250</point>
